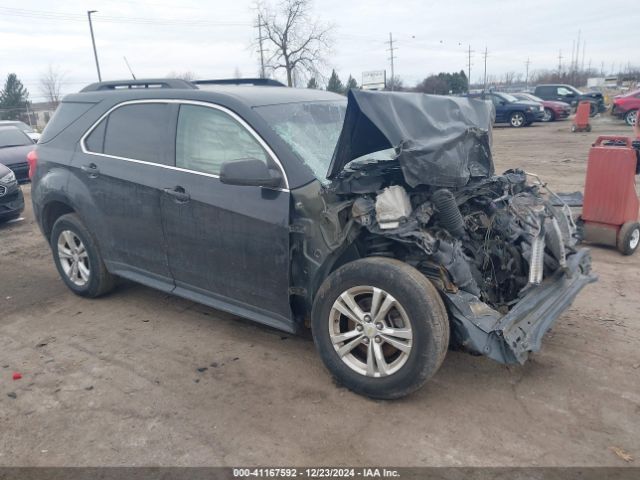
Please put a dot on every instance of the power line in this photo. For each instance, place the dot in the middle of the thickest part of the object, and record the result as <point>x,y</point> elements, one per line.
<point>59,16</point>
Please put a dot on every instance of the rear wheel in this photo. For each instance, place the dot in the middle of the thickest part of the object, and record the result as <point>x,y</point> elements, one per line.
<point>517,120</point>
<point>78,259</point>
<point>629,238</point>
<point>548,115</point>
<point>380,327</point>
<point>593,109</point>
<point>631,117</point>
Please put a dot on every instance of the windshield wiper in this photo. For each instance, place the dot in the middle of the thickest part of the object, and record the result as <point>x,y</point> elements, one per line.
<point>18,145</point>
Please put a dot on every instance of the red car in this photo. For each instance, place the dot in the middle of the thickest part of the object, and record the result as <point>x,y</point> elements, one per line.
<point>553,110</point>
<point>627,106</point>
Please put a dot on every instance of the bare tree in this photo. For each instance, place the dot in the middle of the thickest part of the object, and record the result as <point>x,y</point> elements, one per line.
<point>188,75</point>
<point>299,43</point>
<point>51,85</point>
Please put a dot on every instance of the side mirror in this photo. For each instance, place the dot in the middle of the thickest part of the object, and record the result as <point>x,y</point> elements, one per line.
<point>249,172</point>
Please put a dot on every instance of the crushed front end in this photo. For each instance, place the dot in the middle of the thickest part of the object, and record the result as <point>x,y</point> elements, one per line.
<point>503,257</point>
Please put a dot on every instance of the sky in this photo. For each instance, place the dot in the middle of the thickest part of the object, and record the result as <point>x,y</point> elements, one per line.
<point>216,39</point>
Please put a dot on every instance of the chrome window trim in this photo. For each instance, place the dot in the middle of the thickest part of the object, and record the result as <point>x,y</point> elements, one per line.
<point>231,113</point>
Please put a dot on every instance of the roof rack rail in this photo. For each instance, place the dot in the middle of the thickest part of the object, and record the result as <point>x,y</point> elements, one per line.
<point>135,84</point>
<point>264,82</point>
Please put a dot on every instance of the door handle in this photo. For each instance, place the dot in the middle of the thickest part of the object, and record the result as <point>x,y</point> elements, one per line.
<point>91,170</point>
<point>178,193</point>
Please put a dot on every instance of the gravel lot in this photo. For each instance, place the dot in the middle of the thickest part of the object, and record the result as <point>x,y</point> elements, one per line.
<point>143,378</point>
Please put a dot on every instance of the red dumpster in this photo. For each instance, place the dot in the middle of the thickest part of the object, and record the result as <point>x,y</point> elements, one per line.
<point>581,120</point>
<point>610,208</point>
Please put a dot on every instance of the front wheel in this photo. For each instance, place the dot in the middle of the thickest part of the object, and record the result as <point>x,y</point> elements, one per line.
<point>380,327</point>
<point>517,120</point>
<point>631,117</point>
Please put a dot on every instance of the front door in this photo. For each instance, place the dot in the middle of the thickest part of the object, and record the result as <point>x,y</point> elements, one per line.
<point>227,245</point>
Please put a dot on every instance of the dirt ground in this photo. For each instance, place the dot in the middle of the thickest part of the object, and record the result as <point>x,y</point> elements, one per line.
<point>143,378</point>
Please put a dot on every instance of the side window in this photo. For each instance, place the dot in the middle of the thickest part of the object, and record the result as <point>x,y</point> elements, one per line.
<point>564,91</point>
<point>206,138</point>
<point>496,100</point>
<point>545,91</point>
<point>140,132</point>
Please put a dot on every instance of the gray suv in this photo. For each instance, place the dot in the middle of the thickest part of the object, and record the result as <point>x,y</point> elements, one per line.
<point>377,222</point>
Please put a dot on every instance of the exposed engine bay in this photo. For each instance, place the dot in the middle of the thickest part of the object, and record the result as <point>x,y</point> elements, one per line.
<point>493,238</point>
<point>412,178</point>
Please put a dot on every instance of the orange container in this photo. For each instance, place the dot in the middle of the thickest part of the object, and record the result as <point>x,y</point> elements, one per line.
<point>581,120</point>
<point>610,199</point>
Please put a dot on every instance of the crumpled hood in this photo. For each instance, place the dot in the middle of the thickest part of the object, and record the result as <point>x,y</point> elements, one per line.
<point>440,141</point>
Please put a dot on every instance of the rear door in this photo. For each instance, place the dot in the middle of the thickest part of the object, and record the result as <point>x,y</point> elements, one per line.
<point>124,163</point>
<point>227,245</point>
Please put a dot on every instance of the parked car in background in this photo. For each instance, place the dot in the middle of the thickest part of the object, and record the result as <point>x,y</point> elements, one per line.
<point>571,95</point>
<point>509,109</point>
<point>11,199</point>
<point>552,110</point>
<point>283,206</point>
<point>626,107</point>
<point>14,147</point>
<point>31,133</point>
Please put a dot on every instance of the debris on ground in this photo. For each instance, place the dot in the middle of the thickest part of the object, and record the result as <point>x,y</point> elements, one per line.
<point>621,453</point>
<point>202,369</point>
<point>12,395</point>
<point>17,376</point>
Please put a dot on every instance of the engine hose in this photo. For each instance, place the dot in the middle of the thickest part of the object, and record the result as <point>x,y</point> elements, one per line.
<point>450,216</point>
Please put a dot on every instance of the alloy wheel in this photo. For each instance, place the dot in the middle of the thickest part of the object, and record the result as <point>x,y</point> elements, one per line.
<point>632,118</point>
<point>370,331</point>
<point>74,258</point>
<point>517,119</point>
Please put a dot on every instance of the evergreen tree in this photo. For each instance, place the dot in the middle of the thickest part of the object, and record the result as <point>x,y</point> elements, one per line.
<point>335,85</point>
<point>13,97</point>
<point>351,83</point>
<point>312,83</point>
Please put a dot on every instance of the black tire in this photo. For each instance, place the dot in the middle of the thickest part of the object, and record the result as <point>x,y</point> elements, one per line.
<point>424,310</point>
<point>629,238</point>
<point>631,117</point>
<point>593,109</point>
<point>549,115</point>
<point>518,120</point>
<point>99,281</point>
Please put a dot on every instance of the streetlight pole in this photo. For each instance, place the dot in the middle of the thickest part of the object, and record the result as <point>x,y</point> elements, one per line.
<point>93,41</point>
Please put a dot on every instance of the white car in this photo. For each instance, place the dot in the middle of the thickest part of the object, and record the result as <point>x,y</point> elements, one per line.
<point>33,135</point>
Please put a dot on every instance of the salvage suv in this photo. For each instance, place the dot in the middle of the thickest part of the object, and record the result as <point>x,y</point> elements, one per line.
<point>376,222</point>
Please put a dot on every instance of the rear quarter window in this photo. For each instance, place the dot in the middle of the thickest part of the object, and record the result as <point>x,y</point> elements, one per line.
<point>65,115</point>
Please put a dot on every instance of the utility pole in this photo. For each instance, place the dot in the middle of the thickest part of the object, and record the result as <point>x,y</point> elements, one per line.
<point>93,42</point>
<point>469,76</point>
<point>260,39</point>
<point>584,47</point>
<point>486,54</point>
<point>391,57</point>
<point>559,63</point>
<point>526,78</point>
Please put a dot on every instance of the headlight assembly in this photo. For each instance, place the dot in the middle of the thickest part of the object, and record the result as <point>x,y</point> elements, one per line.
<point>8,179</point>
